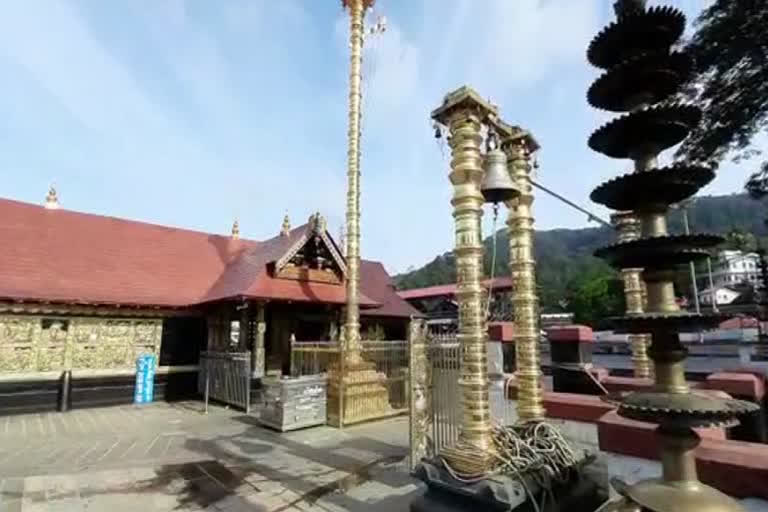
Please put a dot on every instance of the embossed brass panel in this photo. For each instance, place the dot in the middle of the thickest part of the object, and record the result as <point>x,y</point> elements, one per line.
<point>32,343</point>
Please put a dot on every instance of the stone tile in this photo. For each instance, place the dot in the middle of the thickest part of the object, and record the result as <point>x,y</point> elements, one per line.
<point>123,502</point>
<point>135,459</point>
<point>222,475</point>
<point>12,491</point>
<point>206,490</point>
<point>258,502</point>
<point>61,487</point>
<point>31,506</point>
<point>189,471</point>
<point>67,505</point>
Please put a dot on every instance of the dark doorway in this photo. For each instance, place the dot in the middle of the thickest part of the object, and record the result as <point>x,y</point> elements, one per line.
<point>183,338</point>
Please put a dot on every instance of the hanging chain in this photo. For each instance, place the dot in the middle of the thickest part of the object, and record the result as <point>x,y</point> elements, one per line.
<point>493,261</point>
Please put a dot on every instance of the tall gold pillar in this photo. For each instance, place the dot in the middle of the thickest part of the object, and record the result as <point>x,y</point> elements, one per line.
<point>518,145</point>
<point>352,321</point>
<point>464,112</point>
<point>628,228</point>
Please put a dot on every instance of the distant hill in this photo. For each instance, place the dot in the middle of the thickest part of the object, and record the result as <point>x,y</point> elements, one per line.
<point>562,254</point>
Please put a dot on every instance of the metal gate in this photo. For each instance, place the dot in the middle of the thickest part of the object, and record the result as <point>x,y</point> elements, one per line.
<point>444,355</point>
<point>226,377</point>
<point>434,391</point>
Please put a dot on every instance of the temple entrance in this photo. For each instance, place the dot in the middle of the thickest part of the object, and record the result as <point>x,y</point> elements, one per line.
<point>302,322</point>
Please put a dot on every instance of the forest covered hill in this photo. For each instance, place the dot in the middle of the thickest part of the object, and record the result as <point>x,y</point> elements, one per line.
<point>564,256</point>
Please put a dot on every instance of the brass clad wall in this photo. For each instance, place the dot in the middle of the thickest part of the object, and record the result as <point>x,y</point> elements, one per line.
<point>32,343</point>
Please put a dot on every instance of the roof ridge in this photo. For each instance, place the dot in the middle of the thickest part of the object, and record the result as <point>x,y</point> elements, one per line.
<point>62,210</point>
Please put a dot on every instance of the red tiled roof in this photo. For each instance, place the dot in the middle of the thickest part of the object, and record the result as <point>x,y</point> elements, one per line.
<point>66,256</point>
<point>379,286</point>
<point>450,289</point>
<point>248,277</point>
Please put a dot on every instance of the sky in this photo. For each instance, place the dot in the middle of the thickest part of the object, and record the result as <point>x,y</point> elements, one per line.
<point>192,113</point>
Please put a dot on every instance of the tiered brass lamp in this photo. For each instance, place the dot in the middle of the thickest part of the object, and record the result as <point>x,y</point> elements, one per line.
<point>641,74</point>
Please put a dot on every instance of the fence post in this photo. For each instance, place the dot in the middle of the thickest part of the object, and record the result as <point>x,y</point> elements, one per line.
<point>247,378</point>
<point>207,387</point>
<point>340,376</point>
<point>419,393</point>
<point>65,391</point>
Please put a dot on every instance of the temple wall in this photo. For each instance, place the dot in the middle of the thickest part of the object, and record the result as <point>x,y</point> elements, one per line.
<point>36,343</point>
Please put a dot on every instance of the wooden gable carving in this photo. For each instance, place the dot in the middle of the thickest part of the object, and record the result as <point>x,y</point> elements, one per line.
<point>314,257</point>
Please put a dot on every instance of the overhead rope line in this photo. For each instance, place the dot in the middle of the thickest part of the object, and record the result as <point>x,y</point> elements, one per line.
<point>590,216</point>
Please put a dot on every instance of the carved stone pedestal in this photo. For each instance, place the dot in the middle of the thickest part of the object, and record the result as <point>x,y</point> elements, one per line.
<point>499,493</point>
<point>294,403</point>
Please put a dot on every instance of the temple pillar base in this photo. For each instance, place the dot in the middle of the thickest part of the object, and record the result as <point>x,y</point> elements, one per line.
<point>499,493</point>
<point>357,392</point>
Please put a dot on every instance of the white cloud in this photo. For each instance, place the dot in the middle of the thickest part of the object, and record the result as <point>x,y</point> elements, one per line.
<point>504,50</point>
<point>50,41</point>
<point>240,109</point>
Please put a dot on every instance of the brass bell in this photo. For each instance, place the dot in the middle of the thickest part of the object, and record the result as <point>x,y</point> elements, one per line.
<point>497,185</point>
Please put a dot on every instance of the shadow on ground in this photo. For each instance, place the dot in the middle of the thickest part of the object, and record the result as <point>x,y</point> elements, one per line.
<point>260,470</point>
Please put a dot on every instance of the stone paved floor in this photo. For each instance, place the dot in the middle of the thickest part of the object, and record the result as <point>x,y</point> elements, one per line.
<point>172,457</point>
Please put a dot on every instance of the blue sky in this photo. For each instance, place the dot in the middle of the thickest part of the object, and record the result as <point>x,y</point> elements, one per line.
<point>191,113</point>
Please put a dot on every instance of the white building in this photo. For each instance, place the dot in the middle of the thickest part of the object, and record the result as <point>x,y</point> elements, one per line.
<point>734,267</point>
<point>722,295</point>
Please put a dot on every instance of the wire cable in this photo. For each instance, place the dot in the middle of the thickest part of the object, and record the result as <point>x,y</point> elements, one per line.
<point>493,261</point>
<point>533,452</point>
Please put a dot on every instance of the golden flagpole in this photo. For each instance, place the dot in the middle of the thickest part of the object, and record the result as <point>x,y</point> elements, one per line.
<point>352,312</point>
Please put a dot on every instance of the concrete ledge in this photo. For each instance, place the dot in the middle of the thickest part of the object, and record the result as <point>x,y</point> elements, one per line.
<point>737,468</point>
<point>617,384</point>
<point>743,385</point>
<point>570,406</point>
<point>636,438</point>
<point>571,333</point>
<point>501,331</point>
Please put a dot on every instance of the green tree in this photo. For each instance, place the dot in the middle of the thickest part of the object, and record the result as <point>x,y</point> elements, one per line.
<point>730,82</point>
<point>740,240</point>
<point>596,295</point>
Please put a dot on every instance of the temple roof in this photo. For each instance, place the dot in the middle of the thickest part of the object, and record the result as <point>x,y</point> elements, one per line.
<point>498,283</point>
<point>65,256</point>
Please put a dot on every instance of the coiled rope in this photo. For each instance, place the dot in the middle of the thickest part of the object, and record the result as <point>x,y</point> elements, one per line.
<point>535,450</point>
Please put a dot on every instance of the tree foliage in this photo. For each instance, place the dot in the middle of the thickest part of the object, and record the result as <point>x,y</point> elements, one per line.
<point>730,82</point>
<point>595,295</point>
<point>564,256</point>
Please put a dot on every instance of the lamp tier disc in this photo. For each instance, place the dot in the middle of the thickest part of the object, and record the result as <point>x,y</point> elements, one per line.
<point>647,78</point>
<point>658,252</point>
<point>662,186</point>
<point>661,496</point>
<point>651,31</point>
<point>682,321</point>
<point>654,128</point>
<point>681,410</point>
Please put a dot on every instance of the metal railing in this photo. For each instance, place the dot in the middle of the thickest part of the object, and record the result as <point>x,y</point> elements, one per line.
<point>375,388</point>
<point>226,377</point>
<point>312,357</point>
